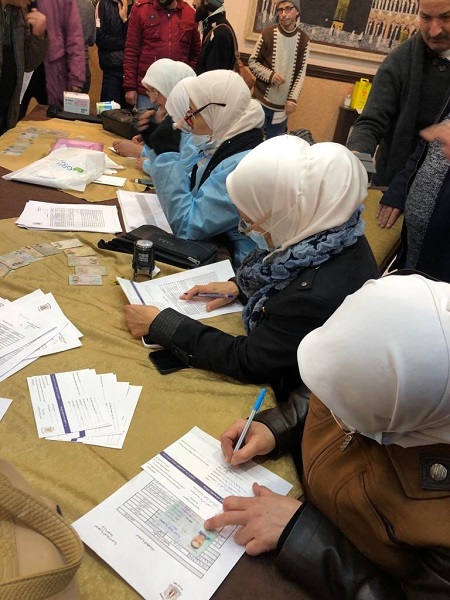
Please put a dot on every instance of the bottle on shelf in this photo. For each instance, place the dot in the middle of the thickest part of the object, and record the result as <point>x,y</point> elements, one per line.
<point>348,98</point>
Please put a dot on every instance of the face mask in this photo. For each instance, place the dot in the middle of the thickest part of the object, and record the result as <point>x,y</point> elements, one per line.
<point>259,239</point>
<point>202,142</point>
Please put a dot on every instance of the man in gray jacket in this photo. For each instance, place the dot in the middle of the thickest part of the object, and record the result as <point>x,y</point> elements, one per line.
<point>23,45</point>
<point>408,92</point>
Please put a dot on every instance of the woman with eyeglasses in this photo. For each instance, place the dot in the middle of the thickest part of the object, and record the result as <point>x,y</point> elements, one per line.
<point>217,109</point>
<point>160,79</point>
<point>304,204</point>
<point>372,449</point>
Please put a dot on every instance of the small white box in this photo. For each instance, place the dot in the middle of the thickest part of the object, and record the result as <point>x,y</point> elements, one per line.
<point>76,103</point>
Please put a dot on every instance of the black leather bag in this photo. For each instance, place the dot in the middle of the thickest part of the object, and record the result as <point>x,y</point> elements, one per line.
<point>169,249</point>
<point>120,121</point>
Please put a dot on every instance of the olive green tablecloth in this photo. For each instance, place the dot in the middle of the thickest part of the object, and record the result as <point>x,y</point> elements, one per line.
<point>78,477</point>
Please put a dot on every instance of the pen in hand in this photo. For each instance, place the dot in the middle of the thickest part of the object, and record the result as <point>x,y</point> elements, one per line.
<point>213,295</point>
<point>258,403</point>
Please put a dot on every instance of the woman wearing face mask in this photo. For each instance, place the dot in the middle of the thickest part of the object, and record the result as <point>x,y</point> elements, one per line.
<point>372,449</point>
<point>306,202</point>
<point>225,122</point>
<point>160,79</point>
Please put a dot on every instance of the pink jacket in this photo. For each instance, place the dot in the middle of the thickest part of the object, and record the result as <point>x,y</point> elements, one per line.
<point>152,34</point>
<point>64,64</point>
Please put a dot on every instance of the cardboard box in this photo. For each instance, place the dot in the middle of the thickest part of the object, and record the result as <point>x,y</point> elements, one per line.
<point>76,103</point>
<point>360,94</point>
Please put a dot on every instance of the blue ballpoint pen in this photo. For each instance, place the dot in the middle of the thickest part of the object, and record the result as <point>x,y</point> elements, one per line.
<point>259,400</point>
<point>213,295</point>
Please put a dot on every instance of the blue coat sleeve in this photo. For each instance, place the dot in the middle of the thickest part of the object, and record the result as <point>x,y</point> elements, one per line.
<point>197,214</point>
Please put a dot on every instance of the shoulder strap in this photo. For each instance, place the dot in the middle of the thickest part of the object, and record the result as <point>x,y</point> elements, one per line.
<point>243,141</point>
<point>237,54</point>
<point>31,511</point>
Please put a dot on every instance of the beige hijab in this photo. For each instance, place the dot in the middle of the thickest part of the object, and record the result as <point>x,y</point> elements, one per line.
<point>240,114</point>
<point>305,189</point>
<point>382,361</point>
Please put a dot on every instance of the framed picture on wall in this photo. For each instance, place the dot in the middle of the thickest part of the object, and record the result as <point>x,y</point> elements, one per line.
<point>349,27</point>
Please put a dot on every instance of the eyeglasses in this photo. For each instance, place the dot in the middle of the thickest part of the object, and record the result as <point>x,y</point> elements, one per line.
<point>247,226</point>
<point>189,117</point>
<point>286,9</point>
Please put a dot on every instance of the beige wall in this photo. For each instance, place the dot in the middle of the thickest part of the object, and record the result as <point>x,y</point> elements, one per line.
<point>320,99</point>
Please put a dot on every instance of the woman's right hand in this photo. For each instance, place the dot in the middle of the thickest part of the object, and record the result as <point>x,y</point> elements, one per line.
<point>258,442</point>
<point>227,290</point>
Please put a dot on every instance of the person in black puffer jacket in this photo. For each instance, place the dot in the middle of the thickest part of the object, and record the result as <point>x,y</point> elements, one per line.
<point>112,24</point>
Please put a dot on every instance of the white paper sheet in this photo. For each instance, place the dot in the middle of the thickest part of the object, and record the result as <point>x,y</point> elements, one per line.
<point>67,402</point>
<point>165,292</point>
<point>5,403</point>
<point>151,530</point>
<point>70,217</point>
<point>139,209</point>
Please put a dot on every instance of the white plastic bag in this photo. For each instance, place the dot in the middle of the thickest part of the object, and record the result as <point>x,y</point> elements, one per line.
<point>64,169</point>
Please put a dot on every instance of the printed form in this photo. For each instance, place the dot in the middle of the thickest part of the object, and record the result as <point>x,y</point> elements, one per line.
<point>165,292</point>
<point>151,530</point>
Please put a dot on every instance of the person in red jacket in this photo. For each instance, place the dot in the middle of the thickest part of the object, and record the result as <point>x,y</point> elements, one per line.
<point>157,29</point>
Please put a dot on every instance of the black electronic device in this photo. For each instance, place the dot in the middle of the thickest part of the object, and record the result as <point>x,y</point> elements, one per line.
<point>166,362</point>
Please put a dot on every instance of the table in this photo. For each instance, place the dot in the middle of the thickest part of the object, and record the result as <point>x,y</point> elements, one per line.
<point>78,477</point>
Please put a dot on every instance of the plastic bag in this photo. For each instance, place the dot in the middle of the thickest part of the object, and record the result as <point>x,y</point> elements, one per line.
<point>64,169</point>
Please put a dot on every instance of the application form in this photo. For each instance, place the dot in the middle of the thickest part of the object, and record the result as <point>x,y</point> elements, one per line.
<point>151,530</point>
<point>165,292</point>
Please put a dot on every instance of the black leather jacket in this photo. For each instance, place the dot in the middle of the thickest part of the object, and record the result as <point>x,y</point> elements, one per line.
<point>321,559</point>
<point>269,352</point>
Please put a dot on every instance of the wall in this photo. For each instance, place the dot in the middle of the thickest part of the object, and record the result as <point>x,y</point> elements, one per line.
<point>322,95</point>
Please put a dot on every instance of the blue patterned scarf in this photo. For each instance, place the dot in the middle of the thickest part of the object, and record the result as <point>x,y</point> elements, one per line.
<point>260,279</point>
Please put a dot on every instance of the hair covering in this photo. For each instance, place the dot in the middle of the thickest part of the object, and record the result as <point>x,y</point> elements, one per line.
<point>240,114</point>
<point>217,3</point>
<point>164,74</point>
<point>306,189</point>
<point>295,3</point>
<point>381,361</point>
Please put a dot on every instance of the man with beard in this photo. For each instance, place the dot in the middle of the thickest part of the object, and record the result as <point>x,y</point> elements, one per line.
<point>23,47</point>
<point>157,29</point>
<point>408,93</point>
<point>218,42</point>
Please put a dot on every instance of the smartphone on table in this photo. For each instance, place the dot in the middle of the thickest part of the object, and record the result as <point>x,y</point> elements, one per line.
<point>166,362</point>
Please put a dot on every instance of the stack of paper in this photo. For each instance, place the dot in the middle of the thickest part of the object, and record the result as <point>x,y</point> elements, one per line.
<point>81,406</point>
<point>142,209</point>
<point>30,327</point>
<point>151,530</point>
<point>70,217</point>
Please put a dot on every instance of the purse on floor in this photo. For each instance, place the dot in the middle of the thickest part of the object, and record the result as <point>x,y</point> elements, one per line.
<point>39,551</point>
<point>169,249</point>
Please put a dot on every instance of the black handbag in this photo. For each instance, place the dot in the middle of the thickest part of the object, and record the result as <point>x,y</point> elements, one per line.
<point>169,249</point>
<point>120,121</point>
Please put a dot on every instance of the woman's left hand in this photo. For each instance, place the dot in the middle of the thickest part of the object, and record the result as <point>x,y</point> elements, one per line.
<point>262,519</point>
<point>139,318</point>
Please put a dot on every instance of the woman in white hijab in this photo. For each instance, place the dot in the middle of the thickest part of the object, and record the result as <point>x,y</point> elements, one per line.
<point>305,203</point>
<point>372,449</point>
<point>160,79</point>
<point>225,123</point>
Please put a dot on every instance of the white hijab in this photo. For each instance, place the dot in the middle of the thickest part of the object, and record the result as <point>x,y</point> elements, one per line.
<point>240,114</point>
<point>382,361</point>
<point>164,74</point>
<point>306,189</point>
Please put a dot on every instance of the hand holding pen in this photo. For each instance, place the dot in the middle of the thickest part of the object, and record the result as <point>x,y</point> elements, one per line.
<point>219,293</point>
<point>258,438</point>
